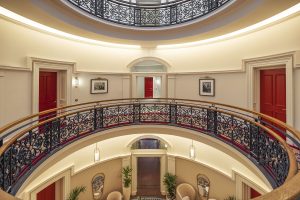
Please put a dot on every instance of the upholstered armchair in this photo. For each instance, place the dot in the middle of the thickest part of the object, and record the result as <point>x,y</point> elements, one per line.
<point>115,195</point>
<point>185,191</point>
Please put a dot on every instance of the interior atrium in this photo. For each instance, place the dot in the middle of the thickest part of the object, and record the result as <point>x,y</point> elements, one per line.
<point>149,99</point>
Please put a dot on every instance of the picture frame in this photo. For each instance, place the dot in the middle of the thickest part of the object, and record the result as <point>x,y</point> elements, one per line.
<point>207,87</point>
<point>99,86</point>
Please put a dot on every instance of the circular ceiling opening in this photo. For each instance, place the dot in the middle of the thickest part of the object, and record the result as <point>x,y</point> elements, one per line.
<point>147,13</point>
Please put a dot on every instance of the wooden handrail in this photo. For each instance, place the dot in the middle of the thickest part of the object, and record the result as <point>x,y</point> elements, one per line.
<point>295,132</point>
<point>292,176</point>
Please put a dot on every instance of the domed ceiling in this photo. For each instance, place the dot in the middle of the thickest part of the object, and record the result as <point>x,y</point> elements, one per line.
<point>232,16</point>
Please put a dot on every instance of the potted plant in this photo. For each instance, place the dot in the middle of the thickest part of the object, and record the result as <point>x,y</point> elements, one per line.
<point>74,194</point>
<point>126,172</point>
<point>170,183</point>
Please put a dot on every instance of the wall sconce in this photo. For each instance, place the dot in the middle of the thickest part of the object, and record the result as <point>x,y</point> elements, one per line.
<point>96,153</point>
<point>76,82</point>
<point>192,151</point>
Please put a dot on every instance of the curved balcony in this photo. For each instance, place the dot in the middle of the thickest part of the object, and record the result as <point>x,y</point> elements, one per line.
<point>147,15</point>
<point>31,140</point>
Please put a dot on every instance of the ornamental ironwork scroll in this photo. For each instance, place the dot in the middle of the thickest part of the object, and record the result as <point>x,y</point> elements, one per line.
<point>40,142</point>
<point>142,15</point>
<point>98,186</point>
<point>203,185</point>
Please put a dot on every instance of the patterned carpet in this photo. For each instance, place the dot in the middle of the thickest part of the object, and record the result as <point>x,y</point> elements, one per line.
<point>147,198</point>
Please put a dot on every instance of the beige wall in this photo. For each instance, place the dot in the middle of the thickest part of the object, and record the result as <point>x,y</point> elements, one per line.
<point>115,88</point>
<point>15,95</point>
<point>113,178</point>
<point>17,42</point>
<point>230,88</point>
<point>220,186</point>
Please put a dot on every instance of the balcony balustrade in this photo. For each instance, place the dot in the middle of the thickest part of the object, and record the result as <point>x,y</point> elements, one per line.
<point>31,140</point>
<point>147,15</point>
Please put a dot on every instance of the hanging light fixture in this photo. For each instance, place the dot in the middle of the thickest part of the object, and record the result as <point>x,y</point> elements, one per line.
<point>76,82</point>
<point>192,151</point>
<point>96,153</point>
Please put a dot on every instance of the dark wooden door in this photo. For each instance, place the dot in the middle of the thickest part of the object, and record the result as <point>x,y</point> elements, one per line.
<point>47,91</point>
<point>273,93</point>
<point>148,176</point>
<point>47,194</point>
<point>148,87</point>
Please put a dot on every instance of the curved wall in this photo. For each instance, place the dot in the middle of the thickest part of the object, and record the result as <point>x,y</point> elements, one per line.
<point>18,42</point>
<point>92,61</point>
<point>208,154</point>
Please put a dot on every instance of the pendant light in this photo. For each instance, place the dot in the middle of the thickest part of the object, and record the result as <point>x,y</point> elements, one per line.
<point>96,153</point>
<point>192,151</point>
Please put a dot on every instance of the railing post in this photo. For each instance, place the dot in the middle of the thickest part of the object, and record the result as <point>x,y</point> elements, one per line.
<point>136,112</point>
<point>58,132</point>
<point>232,131</point>
<point>78,127</point>
<point>50,127</point>
<point>173,113</point>
<point>30,142</point>
<point>101,120</point>
<point>137,16</point>
<point>95,119</point>
<point>215,122</point>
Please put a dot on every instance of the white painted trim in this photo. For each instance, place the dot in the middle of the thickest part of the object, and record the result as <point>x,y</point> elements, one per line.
<point>163,83</point>
<point>156,59</point>
<point>128,145</point>
<point>38,64</point>
<point>240,180</point>
<point>254,64</point>
<point>65,175</point>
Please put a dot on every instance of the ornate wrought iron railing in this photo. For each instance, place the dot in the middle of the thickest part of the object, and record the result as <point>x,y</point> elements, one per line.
<point>142,15</point>
<point>31,140</point>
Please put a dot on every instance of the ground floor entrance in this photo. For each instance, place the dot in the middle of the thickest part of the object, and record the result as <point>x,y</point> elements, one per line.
<point>148,182</point>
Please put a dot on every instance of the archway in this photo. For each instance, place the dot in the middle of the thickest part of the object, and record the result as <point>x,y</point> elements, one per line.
<point>149,77</point>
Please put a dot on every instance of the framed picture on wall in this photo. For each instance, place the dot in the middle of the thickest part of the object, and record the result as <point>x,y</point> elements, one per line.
<point>207,87</point>
<point>99,86</point>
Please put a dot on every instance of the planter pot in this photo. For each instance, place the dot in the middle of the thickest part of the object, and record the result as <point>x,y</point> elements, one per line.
<point>127,193</point>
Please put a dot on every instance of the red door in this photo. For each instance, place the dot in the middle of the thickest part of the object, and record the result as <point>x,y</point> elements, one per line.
<point>47,91</point>
<point>273,93</point>
<point>47,194</point>
<point>148,87</point>
<point>254,193</point>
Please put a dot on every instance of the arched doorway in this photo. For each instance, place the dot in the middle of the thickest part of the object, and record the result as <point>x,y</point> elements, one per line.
<point>149,166</point>
<point>149,78</point>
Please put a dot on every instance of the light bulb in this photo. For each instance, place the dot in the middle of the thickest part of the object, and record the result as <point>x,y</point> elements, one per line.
<point>96,154</point>
<point>192,151</point>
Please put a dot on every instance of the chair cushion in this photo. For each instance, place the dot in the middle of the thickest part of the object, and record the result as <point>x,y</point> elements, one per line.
<point>186,198</point>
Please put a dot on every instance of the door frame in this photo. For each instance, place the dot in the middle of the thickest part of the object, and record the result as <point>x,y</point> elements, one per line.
<point>162,154</point>
<point>38,65</point>
<point>163,76</point>
<point>65,176</point>
<point>253,67</point>
<point>258,84</point>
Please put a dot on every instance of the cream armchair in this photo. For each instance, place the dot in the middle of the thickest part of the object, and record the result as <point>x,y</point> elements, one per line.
<point>115,195</point>
<point>185,190</point>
